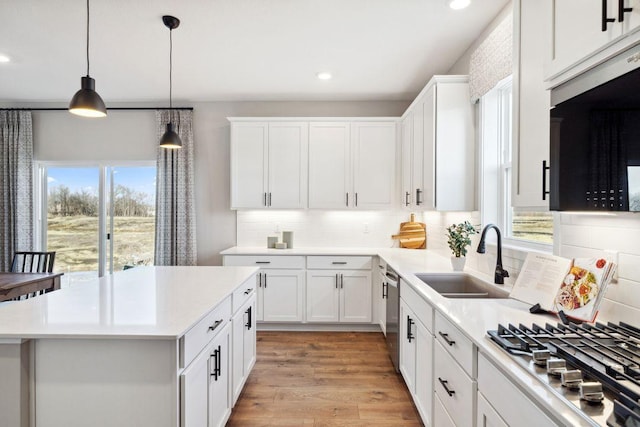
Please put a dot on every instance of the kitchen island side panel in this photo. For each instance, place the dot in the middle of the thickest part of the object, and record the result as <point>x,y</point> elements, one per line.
<point>106,383</point>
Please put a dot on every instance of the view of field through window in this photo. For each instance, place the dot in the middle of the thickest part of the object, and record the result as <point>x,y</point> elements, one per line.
<point>533,226</point>
<point>73,218</point>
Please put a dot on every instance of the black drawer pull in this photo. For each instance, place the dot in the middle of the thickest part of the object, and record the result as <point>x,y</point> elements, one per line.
<point>339,262</point>
<point>249,321</point>
<point>215,325</point>
<point>446,339</point>
<point>263,262</point>
<point>248,291</point>
<point>444,384</point>
<point>409,333</point>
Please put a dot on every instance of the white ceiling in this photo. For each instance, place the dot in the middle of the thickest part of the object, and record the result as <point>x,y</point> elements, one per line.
<point>234,49</point>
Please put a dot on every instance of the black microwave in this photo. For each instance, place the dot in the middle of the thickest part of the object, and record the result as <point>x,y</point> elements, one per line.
<point>595,139</point>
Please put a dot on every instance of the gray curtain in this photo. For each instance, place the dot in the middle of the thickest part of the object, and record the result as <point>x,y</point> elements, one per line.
<point>175,204</point>
<point>16,185</point>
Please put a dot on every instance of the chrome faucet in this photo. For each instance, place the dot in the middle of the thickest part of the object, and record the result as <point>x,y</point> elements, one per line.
<point>501,273</point>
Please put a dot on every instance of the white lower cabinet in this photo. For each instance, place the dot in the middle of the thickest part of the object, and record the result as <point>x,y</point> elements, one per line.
<point>496,410</point>
<point>339,296</point>
<point>416,353</point>
<point>440,416</point>
<point>243,326</point>
<point>454,387</point>
<point>205,385</point>
<point>279,285</point>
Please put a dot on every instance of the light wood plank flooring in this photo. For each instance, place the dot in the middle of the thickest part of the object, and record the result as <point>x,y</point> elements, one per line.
<point>323,379</point>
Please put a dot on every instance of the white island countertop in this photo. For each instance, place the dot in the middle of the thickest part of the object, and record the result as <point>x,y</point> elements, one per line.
<point>140,303</point>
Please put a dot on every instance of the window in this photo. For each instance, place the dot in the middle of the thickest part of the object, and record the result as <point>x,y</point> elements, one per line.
<point>97,218</point>
<point>523,228</point>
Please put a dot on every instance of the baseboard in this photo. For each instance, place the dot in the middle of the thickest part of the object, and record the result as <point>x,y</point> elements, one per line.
<point>318,327</point>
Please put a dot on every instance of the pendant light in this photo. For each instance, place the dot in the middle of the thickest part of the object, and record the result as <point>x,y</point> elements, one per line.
<point>170,139</point>
<point>86,102</point>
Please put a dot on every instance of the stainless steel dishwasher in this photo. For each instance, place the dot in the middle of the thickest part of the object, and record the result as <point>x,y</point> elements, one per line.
<point>392,286</point>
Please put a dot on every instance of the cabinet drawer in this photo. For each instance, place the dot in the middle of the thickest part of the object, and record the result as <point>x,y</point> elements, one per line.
<point>419,306</point>
<point>456,343</point>
<point>204,331</point>
<point>518,409</point>
<point>440,416</point>
<point>454,387</point>
<point>266,261</point>
<point>340,262</point>
<point>243,293</point>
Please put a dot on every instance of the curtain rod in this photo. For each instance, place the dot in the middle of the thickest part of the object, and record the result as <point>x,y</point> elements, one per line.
<point>109,108</point>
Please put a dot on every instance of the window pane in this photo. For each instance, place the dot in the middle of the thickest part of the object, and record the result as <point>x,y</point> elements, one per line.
<point>534,226</point>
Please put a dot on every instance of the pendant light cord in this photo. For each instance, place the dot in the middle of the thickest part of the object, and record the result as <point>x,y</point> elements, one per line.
<point>170,70</point>
<point>87,37</point>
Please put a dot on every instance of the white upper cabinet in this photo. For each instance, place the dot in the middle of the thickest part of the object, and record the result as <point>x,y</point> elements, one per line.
<point>449,149</point>
<point>269,164</point>
<point>584,29</point>
<point>352,164</point>
<point>329,164</point>
<point>413,167</point>
<point>531,102</point>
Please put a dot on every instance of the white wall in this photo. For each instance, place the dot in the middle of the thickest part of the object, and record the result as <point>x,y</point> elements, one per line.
<point>131,135</point>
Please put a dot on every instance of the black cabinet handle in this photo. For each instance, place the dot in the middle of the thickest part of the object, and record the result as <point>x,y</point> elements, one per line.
<point>605,20</point>
<point>622,10</point>
<point>356,200</point>
<point>406,198</point>
<point>385,290</point>
<point>418,196</point>
<point>265,199</point>
<point>215,325</point>
<point>265,280</point>
<point>341,281</point>
<point>269,199</point>
<point>409,324</point>
<point>444,384</point>
<point>263,262</point>
<point>336,280</point>
<point>248,291</point>
<point>446,339</point>
<point>339,262</point>
<point>217,364</point>
<point>545,168</point>
<point>249,323</point>
<point>347,199</point>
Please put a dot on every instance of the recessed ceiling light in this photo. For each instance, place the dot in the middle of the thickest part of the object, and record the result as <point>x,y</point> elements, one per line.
<point>459,4</point>
<point>4,58</point>
<point>324,75</point>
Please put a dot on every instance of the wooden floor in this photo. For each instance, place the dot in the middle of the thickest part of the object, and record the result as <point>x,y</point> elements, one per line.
<point>323,379</point>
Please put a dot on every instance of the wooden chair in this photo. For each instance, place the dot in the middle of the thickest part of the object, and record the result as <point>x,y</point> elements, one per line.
<point>32,262</point>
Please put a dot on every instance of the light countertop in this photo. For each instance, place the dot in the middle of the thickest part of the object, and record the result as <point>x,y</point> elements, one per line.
<point>474,317</point>
<point>143,302</point>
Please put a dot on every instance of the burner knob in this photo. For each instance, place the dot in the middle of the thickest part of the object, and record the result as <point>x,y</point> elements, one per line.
<point>540,357</point>
<point>556,366</point>
<point>571,379</point>
<point>591,392</point>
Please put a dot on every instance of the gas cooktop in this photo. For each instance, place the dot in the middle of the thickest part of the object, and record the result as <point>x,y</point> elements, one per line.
<point>594,367</point>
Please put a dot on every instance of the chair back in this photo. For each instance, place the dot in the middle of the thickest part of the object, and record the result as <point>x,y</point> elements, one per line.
<point>33,262</point>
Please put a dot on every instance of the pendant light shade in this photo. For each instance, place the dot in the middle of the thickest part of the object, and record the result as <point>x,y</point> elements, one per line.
<point>170,139</point>
<point>86,102</point>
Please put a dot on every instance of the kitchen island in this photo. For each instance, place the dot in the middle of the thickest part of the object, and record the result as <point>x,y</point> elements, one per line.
<point>125,349</point>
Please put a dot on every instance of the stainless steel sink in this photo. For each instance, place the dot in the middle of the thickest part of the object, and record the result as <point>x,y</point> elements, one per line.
<point>461,285</point>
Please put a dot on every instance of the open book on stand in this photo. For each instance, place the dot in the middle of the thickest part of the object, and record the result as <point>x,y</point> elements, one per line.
<point>572,286</point>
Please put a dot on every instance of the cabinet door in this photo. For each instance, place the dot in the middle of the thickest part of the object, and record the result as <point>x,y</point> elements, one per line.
<point>429,147</point>
<point>323,296</point>
<point>194,392</point>
<point>329,165</point>
<point>288,144</point>
<point>260,296</point>
<point>577,31</point>
<point>219,380</point>
<point>249,158</point>
<point>243,338</point>
<point>406,127</point>
<point>455,149</point>
<point>355,296</point>
<point>380,295</point>
<point>374,172</point>
<point>249,336</point>
<point>417,155</point>
<point>487,416</point>
<point>407,320</point>
<point>282,295</point>
<point>531,103</point>
<point>631,21</point>
<point>424,373</point>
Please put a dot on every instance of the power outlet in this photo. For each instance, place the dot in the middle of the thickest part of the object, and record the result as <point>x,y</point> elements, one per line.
<point>612,256</point>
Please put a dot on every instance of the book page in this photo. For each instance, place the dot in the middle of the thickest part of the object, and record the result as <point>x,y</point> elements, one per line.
<point>540,279</point>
